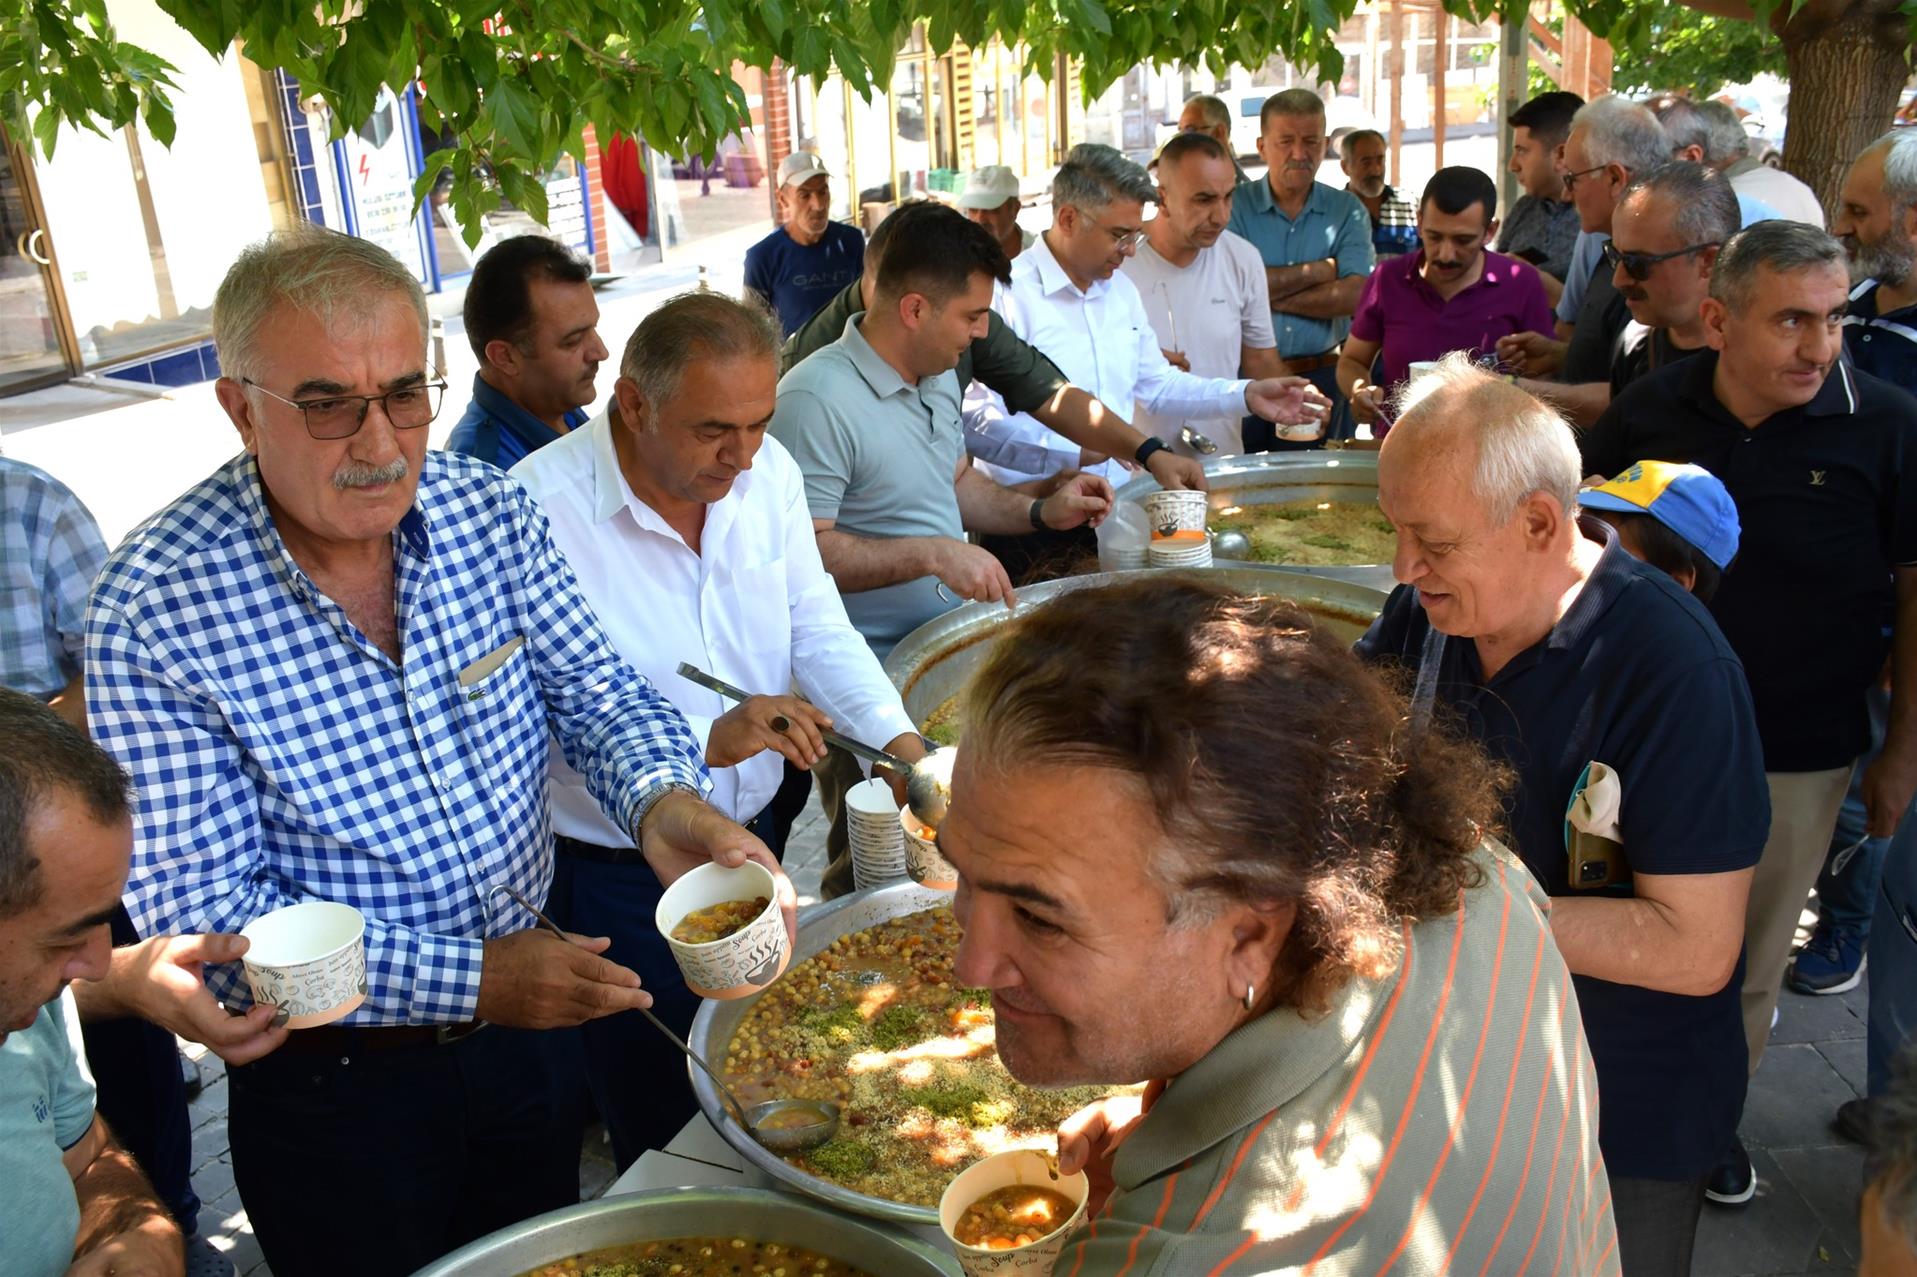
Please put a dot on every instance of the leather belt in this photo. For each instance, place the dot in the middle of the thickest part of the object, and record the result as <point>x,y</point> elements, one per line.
<point>1299,365</point>
<point>334,1039</point>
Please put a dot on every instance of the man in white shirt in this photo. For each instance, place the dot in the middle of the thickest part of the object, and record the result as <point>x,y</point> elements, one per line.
<point>690,535</point>
<point>1203,288</point>
<point>1067,298</point>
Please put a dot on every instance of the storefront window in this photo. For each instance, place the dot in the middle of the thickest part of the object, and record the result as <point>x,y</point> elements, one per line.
<point>141,246</point>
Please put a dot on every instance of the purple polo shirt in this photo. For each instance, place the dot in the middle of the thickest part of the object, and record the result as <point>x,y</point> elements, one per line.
<point>1411,322</point>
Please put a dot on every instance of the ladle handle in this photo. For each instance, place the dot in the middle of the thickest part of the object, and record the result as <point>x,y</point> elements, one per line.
<point>693,674</point>
<point>738,1109</point>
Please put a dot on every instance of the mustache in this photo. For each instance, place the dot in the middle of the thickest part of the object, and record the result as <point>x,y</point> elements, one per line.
<point>357,474</point>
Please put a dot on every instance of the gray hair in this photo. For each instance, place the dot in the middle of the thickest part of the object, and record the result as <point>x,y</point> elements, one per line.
<point>691,326</point>
<point>310,268</point>
<point>41,753</point>
<point>1683,123</point>
<point>1890,1162</point>
<point>1782,245</point>
<point>1728,143</point>
<point>1900,169</point>
<point>1291,102</point>
<point>1094,175</point>
<point>1619,131</point>
<point>1524,445</point>
<point>1706,203</point>
<point>1217,114</point>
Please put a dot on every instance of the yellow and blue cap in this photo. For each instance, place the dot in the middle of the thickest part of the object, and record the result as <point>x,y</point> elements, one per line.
<point>1687,499</point>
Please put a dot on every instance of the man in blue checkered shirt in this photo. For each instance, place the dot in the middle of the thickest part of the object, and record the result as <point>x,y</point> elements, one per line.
<point>333,669</point>
<point>50,551</point>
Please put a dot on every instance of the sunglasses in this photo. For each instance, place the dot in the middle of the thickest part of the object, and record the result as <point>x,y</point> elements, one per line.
<point>1640,265</point>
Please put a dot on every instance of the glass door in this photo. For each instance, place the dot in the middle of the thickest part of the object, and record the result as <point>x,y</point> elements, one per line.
<point>30,350</point>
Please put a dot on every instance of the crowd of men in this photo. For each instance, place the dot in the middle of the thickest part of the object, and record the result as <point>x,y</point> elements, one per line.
<point>348,667</point>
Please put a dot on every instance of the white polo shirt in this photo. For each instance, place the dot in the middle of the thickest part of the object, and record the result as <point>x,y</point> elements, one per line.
<point>1101,339</point>
<point>755,608</point>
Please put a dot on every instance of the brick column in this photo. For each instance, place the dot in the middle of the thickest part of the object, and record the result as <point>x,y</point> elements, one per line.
<point>778,125</point>
<point>596,206</point>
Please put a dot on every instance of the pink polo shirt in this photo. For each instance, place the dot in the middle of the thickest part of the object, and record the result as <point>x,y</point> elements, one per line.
<point>1403,313</point>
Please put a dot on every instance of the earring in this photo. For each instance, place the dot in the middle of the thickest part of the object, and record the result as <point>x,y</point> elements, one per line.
<point>1251,995</point>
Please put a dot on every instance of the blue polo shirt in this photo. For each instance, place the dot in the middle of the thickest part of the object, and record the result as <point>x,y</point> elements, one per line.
<point>1635,676</point>
<point>498,431</point>
<point>1331,224</point>
<point>1882,345</point>
<point>1828,511</point>
<point>796,279</point>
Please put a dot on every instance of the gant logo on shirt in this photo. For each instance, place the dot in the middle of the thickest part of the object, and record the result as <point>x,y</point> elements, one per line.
<point>42,1110</point>
<point>1817,478</point>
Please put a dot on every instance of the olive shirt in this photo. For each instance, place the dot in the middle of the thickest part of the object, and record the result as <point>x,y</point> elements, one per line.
<point>1443,1120</point>
<point>1025,379</point>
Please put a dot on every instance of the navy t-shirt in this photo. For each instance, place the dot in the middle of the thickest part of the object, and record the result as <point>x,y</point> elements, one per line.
<point>1638,677</point>
<point>1828,508</point>
<point>799,279</point>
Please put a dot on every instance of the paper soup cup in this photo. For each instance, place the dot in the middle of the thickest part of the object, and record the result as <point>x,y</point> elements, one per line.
<point>922,859</point>
<point>309,960</point>
<point>747,960</point>
<point>1019,1166</point>
<point>1176,511</point>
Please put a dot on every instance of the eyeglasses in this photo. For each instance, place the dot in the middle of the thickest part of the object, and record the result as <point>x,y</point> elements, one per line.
<point>1571,179</point>
<point>1640,265</point>
<point>1122,240</point>
<point>341,416</point>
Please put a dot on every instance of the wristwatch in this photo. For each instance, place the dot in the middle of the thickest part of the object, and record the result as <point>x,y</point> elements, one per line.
<point>1146,449</point>
<point>1038,515</point>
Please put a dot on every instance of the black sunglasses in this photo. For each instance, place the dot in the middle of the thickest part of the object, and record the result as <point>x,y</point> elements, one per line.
<point>1640,265</point>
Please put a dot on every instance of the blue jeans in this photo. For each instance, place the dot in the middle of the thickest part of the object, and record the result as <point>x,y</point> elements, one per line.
<point>1847,892</point>
<point>1892,1019</point>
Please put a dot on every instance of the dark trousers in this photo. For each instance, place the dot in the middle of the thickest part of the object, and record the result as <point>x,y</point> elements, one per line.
<point>1656,1224</point>
<point>1044,556</point>
<point>835,777</point>
<point>774,824</point>
<point>379,1161</point>
<point>637,1078</point>
<point>136,1068</point>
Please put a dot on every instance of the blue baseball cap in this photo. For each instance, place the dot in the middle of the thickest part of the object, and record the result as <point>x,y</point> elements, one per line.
<point>1687,499</point>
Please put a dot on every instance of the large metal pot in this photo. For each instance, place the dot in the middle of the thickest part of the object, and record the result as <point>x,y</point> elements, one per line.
<point>932,663</point>
<point>751,1213</point>
<point>716,1022</point>
<point>1275,478</point>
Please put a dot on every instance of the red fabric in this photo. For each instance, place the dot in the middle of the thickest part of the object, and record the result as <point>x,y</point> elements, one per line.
<point>624,172</point>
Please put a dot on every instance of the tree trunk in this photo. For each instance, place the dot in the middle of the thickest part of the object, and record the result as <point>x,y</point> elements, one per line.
<point>1848,64</point>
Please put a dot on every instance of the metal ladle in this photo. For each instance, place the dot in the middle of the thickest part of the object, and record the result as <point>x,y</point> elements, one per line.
<point>796,1137</point>
<point>928,782</point>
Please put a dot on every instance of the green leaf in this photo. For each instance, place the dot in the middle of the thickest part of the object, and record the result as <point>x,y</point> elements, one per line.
<point>46,130</point>
<point>515,115</point>
<point>158,117</point>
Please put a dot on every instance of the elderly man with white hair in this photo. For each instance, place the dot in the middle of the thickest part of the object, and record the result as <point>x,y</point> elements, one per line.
<point>1612,141</point>
<point>1725,146</point>
<point>1610,693</point>
<point>333,669</point>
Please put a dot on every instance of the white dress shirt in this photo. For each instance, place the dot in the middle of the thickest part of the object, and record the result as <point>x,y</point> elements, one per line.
<point>755,608</point>
<point>1101,339</point>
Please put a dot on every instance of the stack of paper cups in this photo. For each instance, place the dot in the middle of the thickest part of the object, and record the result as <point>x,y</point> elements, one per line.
<point>872,826</point>
<point>1178,530</point>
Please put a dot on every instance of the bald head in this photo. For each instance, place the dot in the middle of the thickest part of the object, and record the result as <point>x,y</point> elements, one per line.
<point>1208,115</point>
<point>1513,444</point>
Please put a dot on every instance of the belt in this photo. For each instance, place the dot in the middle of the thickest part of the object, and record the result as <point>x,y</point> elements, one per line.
<point>592,851</point>
<point>334,1039</point>
<point>1299,365</point>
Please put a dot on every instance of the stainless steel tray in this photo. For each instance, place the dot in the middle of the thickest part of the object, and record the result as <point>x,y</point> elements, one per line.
<point>1272,478</point>
<point>752,1213</point>
<point>716,1022</point>
<point>932,663</point>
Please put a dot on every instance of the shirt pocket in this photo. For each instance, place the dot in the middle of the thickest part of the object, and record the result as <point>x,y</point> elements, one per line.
<point>503,720</point>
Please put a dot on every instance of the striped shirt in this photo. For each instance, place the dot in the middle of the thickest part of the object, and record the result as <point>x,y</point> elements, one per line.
<point>1441,1121</point>
<point>280,756</point>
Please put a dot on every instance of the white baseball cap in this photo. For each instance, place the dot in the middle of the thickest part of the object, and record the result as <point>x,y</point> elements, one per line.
<point>989,187</point>
<point>801,166</point>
